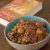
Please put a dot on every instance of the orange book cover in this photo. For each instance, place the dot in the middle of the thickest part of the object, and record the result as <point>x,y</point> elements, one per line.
<point>18,8</point>
<point>15,9</point>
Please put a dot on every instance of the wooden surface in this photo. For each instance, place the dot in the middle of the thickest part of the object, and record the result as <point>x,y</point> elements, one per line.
<point>45,13</point>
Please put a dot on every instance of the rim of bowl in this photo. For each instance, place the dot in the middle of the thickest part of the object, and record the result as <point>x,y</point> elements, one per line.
<point>27,44</point>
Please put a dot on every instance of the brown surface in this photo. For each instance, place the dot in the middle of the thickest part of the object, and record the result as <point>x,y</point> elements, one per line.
<point>45,13</point>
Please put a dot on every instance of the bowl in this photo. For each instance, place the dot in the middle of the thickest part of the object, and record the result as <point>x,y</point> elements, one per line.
<point>34,46</point>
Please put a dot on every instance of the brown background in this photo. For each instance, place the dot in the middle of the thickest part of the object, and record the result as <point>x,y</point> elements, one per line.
<point>45,13</point>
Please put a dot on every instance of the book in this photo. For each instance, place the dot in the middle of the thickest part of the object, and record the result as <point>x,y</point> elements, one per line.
<point>17,9</point>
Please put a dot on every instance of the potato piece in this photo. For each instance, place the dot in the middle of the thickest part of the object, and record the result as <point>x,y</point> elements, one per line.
<point>22,21</point>
<point>20,30</point>
<point>19,40</point>
<point>25,40</point>
<point>39,31</point>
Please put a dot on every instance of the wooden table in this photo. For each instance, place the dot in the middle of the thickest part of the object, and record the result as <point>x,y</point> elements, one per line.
<point>45,13</point>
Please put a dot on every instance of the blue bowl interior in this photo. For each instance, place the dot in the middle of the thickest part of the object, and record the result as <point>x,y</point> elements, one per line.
<point>11,24</point>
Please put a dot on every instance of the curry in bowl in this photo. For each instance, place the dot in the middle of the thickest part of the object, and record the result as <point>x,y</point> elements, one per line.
<point>27,32</point>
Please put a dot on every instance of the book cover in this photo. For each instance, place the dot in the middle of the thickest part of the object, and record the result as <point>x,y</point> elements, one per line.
<point>17,9</point>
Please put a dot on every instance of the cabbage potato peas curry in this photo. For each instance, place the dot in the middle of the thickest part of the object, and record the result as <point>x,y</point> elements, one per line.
<point>27,32</point>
